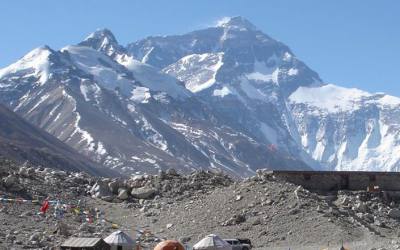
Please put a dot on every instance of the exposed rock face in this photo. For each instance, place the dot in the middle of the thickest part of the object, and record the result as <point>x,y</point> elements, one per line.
<point>143,193</point>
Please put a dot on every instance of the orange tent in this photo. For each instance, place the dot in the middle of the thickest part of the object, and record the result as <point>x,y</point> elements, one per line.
<point>169,245</point>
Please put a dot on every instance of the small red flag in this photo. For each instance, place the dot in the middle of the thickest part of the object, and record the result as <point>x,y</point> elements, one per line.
<point>44,206</point>
<point>272,147</point>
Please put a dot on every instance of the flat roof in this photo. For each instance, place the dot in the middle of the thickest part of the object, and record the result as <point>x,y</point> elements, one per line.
<point>335,172</point>
<point>81,242</point>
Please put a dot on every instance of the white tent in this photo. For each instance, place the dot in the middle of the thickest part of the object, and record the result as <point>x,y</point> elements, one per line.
<point>120,241</point>
<point>212,242</point>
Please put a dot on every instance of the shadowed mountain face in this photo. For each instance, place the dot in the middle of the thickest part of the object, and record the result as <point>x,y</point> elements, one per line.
<point>21,141</point>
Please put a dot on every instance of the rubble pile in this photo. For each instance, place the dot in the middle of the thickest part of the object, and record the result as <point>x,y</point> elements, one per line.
<point>270,212</point>
<point>30,182</point>
<point>165,184</point>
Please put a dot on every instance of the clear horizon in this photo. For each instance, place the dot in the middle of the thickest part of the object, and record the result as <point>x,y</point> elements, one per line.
<point>351,44</point>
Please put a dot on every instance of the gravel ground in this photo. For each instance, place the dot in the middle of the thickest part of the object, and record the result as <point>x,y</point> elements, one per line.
<point>286,222</point>
<point>272,213</point>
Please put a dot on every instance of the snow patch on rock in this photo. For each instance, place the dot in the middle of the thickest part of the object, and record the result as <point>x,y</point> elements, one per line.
<point>330,98</point>
<point>202,73</point>
<point>152,78</point>
<point>224,91</point>
<point>141,95</point>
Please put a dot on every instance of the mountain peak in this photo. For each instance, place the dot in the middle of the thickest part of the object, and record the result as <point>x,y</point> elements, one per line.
<point>44,49</point>
<point>37,60</point>
<point>102,34</point>
<point>237,22</point>
<point>102,40</point>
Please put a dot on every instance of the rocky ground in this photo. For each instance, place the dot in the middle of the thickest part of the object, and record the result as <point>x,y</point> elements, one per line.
<point>272,213</point>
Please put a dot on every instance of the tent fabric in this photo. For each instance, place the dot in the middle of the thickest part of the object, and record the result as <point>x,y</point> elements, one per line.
<point>212,242</point>
<point>169,245</point>
<point>119,238</point>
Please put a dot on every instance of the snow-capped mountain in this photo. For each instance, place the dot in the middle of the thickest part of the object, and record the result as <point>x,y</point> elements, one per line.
<point>226,97</point>
<point>128,115</point>
<point>259,87</point>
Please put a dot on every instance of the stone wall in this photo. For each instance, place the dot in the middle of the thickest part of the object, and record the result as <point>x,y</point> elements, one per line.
<point>335,180</point>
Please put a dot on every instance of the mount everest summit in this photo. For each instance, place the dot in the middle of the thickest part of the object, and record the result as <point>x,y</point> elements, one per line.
<point>227,97</point>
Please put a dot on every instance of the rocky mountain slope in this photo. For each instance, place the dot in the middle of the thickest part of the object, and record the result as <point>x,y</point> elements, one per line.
<point>21,141</point>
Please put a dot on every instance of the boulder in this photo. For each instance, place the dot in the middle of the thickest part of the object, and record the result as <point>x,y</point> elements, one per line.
<point>378,222</point>
<point>10,181</point>
<point>30,171</point>
<point>143,193</point>
<point>23,171</point>
<point>100,189</point>
<point>238,198</point>
<point>59,174</point>
<point>299,190</point>
<point>361,207</point>
<point>185,239</point>
<point>235,220</point>
<point>35,237</point>
<point>85,227</point>
<point>256,221</point>
<point>171,171</point>
<point>264,174</point>
<point>345,201</point>
<point>62,229</point>
<point>394,213</point>
<point>268,202</point>
<point>123,194</point>
<point>294,211</point>
<point>114,186</point>
<point>108,198</point>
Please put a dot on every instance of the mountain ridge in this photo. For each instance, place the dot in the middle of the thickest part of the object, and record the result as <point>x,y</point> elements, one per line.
<point>224,97</point>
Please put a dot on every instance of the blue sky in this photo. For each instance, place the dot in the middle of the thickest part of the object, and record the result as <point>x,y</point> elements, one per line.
<point>354,43</point>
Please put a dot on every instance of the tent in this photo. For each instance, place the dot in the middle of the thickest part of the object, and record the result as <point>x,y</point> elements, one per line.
<point>120,241</point>
<point>212,242</point>
<point>169,245</point>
